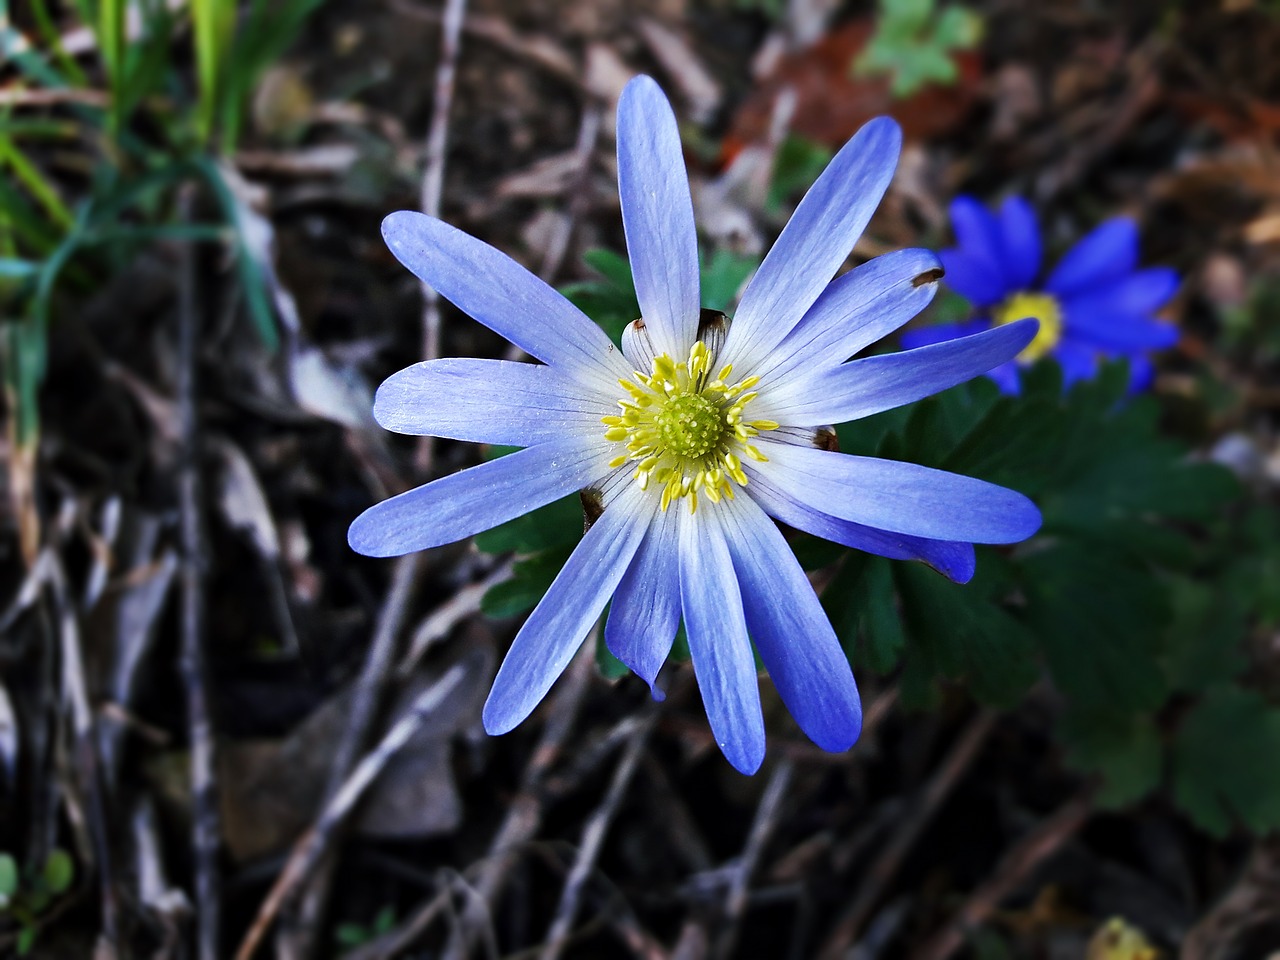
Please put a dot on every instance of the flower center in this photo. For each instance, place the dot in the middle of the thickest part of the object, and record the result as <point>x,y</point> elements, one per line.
<point>1040,306</point>
<point>686,431</point>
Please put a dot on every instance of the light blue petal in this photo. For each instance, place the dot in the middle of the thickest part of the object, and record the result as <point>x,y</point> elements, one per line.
<point>899,497</point>
<point>491,287</point>
<point>561,620</point>
<point>855,310</point>
<point>717,628</point>
<point>791,630</point>
<point>863,387</point>
<point>645,613</point>
<point>1107,253</point>
<point>478,498</point>
<point>657,216</point>
<point>1020,242</point>
<point>814,243</point>
<point>488,401</point>
<point>974,277</point>
<point>955,561</point>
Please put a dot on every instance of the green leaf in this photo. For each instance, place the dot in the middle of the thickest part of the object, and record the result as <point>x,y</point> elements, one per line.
<point>1098,616</point>
<point>59,871</point>
<point>722,276</point>
<point>8,876</point>
<point>1126,753</point>
<point>962,633</point>
<point>610,667</point>
<point>530,580</point>
<point>1224,762</point>
<point>555,525</point>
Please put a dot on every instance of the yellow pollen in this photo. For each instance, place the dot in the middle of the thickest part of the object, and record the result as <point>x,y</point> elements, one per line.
<point>687,433</point>
<point>1042,307</point>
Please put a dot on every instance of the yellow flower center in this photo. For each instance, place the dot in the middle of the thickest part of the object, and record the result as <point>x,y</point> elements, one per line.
<point>686,431</point>
<point>1042,307</point>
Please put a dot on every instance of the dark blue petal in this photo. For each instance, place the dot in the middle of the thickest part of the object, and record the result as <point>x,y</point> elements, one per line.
<point>1141,292</point>
<point>1078,361</point>
<point>1008,377</point>
<point>977,230</point>
<point>1108,253</point>
<point>1112,330</point>
<point>940,333</point>
<point>1020,242</point>
<point>974,276</point>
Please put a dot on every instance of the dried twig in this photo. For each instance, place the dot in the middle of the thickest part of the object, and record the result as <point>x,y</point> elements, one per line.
<point>876,880</point>
<point>438,624</point>
<point>433,183</point>
<point>524,816</point>
<point>302,930</point>
<point>592,839</point>
<point>762,828</point>
<point>204,793</point>
<point>1032,850</point>
<point>315,843</point>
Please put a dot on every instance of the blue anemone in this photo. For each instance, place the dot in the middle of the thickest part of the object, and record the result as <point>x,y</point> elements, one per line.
<point>694,437</point>
<point>1094,304</point>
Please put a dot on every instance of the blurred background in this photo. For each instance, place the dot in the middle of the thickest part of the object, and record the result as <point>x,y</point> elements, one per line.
<point>222,733</point>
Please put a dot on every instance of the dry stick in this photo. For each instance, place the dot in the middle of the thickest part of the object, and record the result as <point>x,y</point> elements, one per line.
<point>303,928</point>
<point>204,794</point>
<point>877,879</point>
<point>593,838</point>
<point>433,183</point>
<point>1039,845</point>
<point>313,845</point>
<point>584,148</point>
<point>761,829</point>
<point>525,813</point>
<point>440,622</point>
<point>86,763</point>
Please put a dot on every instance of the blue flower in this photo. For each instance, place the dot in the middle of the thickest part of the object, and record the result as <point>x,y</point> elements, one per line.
<point>1095,303</point>
<point>694,437</point>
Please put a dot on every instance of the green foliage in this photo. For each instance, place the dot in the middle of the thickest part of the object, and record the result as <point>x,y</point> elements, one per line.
<point>1139,592</point>
<point>351,935</point>
<point>913,43</point>
<point>1224,761</point>
<point>795,167</point>
<point>145,143</point>
<point>25,896</point>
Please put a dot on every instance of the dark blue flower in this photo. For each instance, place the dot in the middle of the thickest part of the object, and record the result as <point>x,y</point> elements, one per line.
<point>1094,304</point>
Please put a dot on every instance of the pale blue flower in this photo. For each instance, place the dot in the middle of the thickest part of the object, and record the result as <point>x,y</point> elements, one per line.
<point>693,446</point>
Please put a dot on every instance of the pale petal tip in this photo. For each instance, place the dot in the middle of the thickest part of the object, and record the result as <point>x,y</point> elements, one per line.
<point>366,536</point>
<point>498,717</point>
<point>744,754</point>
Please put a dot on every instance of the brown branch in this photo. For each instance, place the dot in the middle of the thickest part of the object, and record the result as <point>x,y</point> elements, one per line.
<point>762,828</point>
<point>524,816</point>
<point>315,843</point>
<point>433,184</point>
<point>302,929</point>
<point>593,838</point>
<point>206,824</point>
<point>1035,848</point>
<point>876,880</point>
